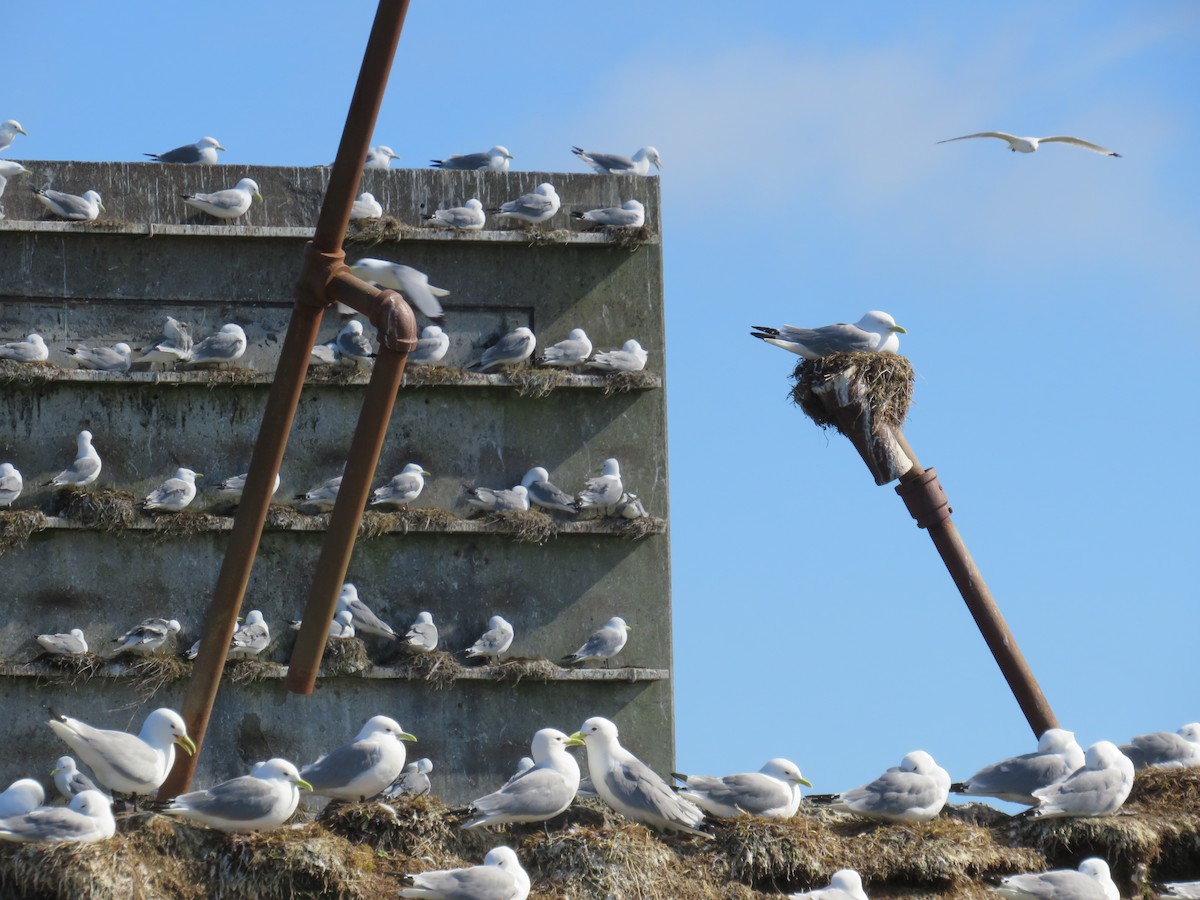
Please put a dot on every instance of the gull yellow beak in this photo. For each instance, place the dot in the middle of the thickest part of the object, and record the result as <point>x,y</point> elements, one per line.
<point>187,744</point>
<point>23,131</point>
<point>575,740</point>
<point>405,736</point>
<point>102,209</point>
<point>26,172</point>
<point>54,771</point>
<point>304,785</point>
<point>899,329</point>
<point>219,147</point>
<point>426,474</point>
<point>804,781</point>
<point>259,197</point>
<point>509,156</point>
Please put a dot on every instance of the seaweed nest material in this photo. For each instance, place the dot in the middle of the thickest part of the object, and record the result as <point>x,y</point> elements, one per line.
<point>154,671</point>
<point>520,668</point>
<point>624,382</point>
<point>28,372</point>
<point>183,523</point>
<point>436,668</point>
<point>530,526</point>
<point>885,378</point>
<point>284,518</point>
<point>433,376</point>
<point>375,523</point>
<point>642,526</point>
<point>535,383</point>
<point>378,231</point>
<point>102,508</point>
<point>344,656</point>
<point>16,526</point>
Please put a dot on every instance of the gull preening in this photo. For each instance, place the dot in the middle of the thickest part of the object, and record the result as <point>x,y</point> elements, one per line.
<point>535,207</point>
<point>365,766</point>
<point>1091,881</point>
<point>500,876</point>
<point>603,491</point>
<point>1164,749</point>
<point>402,489</point>
<point>380,157</point>
<point>1015,779</point>
<point>353,346</point>
<point>201,153</point>
<point>251,638</point>
<point>11,484</point>
<point>8,131</point>
<point>540,491</point>
<point>86,467</point>
<point>772,792</point>
<point>494,641</point>
<point>875,332</point>
<point>515,347</point>
<point>616,164</point>
<point>914,791</point>
<point>1030,144</point>
<point>630,214</point>
<point>32,349</point>
<point>103,359</point>
<point>174,345</point>
<point>495,159</point>
<point>573,351</point>
<point>146,637</point>
<point>604,643</point>
<point>468,217</point>
<point>414,780</point>
<point>228,204</point>
<point>69,206</point>
<point>365,207</point>
<point>218,349</point>
<point>431,347</point>
<point>630,358</point>
<point>266,798</point>
<point>174,494</point>
<point>540,792</point>
<point>412,284</point>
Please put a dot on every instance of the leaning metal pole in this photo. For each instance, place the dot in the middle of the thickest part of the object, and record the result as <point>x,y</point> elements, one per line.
<point>324,275</point>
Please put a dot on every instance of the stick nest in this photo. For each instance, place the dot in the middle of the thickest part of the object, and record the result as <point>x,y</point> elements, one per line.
<point>885,378</point>
<point>642,526</point>
<point>154,671</point>
<point>434,376</point>
<point>102,508</point>
<point>17,525</point>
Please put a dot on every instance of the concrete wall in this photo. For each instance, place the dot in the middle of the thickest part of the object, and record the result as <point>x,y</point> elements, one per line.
<point>102,282</point>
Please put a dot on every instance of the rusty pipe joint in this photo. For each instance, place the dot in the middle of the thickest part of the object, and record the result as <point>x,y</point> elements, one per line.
<point>925,499</point>
<point>387,310</point>
<point>317,273</point>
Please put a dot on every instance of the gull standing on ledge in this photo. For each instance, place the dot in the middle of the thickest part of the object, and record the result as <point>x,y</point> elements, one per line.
<point>402,489</point>
<point>494,641</point>
<point>605,643</point>
<point>515,347</point>
<point>630,214</point>
<point>174,345</point>
<point>227,204</point>
<point>875,332</point>
<point>468,217</point>
<point>1030,144</point>
<point>541,492</point>
<point>174,494</point>
<point>365,621</point>
<point>423,635</point>
<point>32,349</point>
<point>201,153</point>
<point>122,762</point>
<point>366,207</point>
<point>86,467</point>
<point>266,798</point>
<point>540,792</point>
<point>630,786</point>
<point>616,164</point>
<point>535,207</point>
<point>412,284</point>
<point>772,792</point>
<point>8,132</point>
<point>495,159</point>
<point>603,491</point>
<point>362,768</point>
<point>11,484</point>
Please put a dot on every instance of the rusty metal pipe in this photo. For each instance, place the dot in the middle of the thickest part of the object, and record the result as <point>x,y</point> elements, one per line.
<point>352,496</point>
<point>926,501</point>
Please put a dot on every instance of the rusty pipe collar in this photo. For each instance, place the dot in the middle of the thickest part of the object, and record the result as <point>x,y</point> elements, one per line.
<point>317,273</point>
<point>925,499</point>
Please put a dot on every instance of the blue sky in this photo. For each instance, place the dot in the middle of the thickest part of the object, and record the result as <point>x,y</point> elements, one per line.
<point>1050,299</point>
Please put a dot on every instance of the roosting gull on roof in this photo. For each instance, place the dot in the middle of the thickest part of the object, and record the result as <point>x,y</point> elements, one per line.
<point>616,164</point>
<point>413,285</point>
<point>88,818</point>
<point>772,792</point>
<point>914,791</point>
<point>365,766</point>
<point>1030,144</point>
<point>846,884</point>
<point>537,794</point>
<point>1091,881</point>
<point>494,641</point>
<point>631,787</point>
<point>1164,750</point>
<point>146,637</point>
<point>536,207</point>
<point>32,349</point>
<point>1015,779</point>
<point>874,332</point>
<point>266,798</point>
<point>86,467</point>
<point>541,492</point>
<point>380,157</point>
<point>604,643</point>
<point>70,206</point>
<point>103,359</point>
<point>468,217</point>
<point>1098,789</point>
<point>201,153</point>
<point>499,878</point>
<point>496,159</point>
<point>122,762</point>
<point>227,204</point>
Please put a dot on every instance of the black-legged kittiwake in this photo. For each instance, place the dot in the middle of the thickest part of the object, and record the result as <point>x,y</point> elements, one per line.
<point>231,203</point>
<point>875,332</point>
<point>32,349</point>
<point>542,492</point>
<point>512,349</point>
<point>499,878</point>
<point>218,350</point>
<point>1031,144</point>
<point>69,643</point>
<point>616,164</point>
<point>103,359</point>
<point>493,642</point>
<point>71,207</point>
<point>362,768</point>
<point>534,208</point>
<point>468,217</point>
<point>495,159</point>
<point>1015,779</point>
<point>412,284</point>
<point>538,794</point>
<point>266,798</point>
<point>568,353</point>
<point>122,762</point>
<point>914,791</point>
<point>174,494</point>
<point>201,153</point>
<point>402,489</point>
<point>1091,881</point>
<point>86,467</point>
<point>630,214</point>
<point>604,643</point>
<point>773,792</point>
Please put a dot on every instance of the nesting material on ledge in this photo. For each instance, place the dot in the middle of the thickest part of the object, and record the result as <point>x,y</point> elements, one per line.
<point>522,668</point>
<point>434,376</point>
<point>547,238</point>
<point>379,231</point>
<point>75,668</point>
<point>629,238</point>
<point>286,517</point>
<point>643,526</point>
<point>154,671</point>
<point>250,671</point>
<point>28,372</point>
<point>182,524</point>
<point>344,656</point>
<point>233,375</point>
<point>624,382</point>
<point>438,668</point>
<point>530,382</point>
<point>16,525</point>
<point>375,523</point>
<point>865,396</point>
<point>531,526</point>
<point>102,508</point>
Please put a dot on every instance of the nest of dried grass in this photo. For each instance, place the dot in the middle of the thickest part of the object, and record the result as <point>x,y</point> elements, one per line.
<point>284,518</point>
<point>417,827</point>
<point>76,668</point>
<point>335,375</point>
<point>183,524</point>
<point>624,382</point>
<point>103,508</point>
<point>28,373</point>
<point>629,238</point>
<point>251,671</point>
<point>642,526</point>
<point>433,376</point>
<point>531,526</point>
<point>344,656</point>
<point>154,671</point>
<point>539,238</point>
<point>221,377</point>
<point>375,523</point>
<point>378,231</point>
<point>886,380</point>
<point>16,526</point>
<point>436,668</point>
<point>535,383</point>
<point>521,668</point>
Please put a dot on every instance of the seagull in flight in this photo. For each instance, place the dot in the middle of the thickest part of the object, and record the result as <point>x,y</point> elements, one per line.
<point>1030,144</point>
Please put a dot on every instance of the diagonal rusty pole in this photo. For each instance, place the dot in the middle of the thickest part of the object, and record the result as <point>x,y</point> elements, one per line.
<point>324,276</point>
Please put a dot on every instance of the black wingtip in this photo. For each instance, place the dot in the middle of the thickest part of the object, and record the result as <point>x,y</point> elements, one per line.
<point>437,163</point>
<point>575,214</point>
<point>1117,155</point>
<point>678,776</point>
<point>822,798</point>
<point>56,715</point>
<point>578,151</point>
<point>153,156</point>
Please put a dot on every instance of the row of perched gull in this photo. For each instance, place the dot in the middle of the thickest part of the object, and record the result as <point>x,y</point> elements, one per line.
<point>353,617</point>
<point>1057,780</point>
<point>351,347</point>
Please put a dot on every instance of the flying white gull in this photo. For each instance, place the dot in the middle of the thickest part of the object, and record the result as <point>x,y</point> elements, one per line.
<point>227,204</point>
<point>605,643</point>
<point>71,643</point>
<point>365,621</point>
<point>846,884</point>
<point>539,793</point>
<point>88,818</point>
<point>32,349</point>
<point>1098,789</point>
<point>412,284</point>
<point>146,637</point>
<point>914,791</point>
<point>354,347</point>
<point>403,489</point>
<point>499,878</point>
<point>1015,779</point>
<point>175,344</point>
<point>69,780</point>
<point>468,217</point>
<point>431,347</point>
<point>603,491</point>
<point>541,492</point>
<point>535,207</point>
<point>630,214</point>
<point>1164,750</point>
<point>365,766</point>
<point>494,641</point>
<point>322,497</point>
<point>616,164</point>
<point>499,500</point>
<point>423,635</point>
<point>874,332</point>
<point>496,159</point>
<point>414,780</point>
<point>22,796</point>
<point>574,351</point>
<point>1091,881</point>
<point>630,786</point>
<point>174,494</point>
<point>266,798</point>
<point>201,153</point>
<point>515,347</point>
<point>366,207</point>
<point>86,467</point>
<point>127,763</point>
<point>1030,144</point>
<point>772,792</point>
<point>218,349</point>
<point>380,157</point>
<point>11,484</point>
<point>70,206</point>
<point>630,358</point>
<point>8,131</point>
<point>103,359</point>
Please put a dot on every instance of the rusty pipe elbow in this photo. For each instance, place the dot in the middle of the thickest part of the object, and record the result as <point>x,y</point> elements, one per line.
<point>317,274</point>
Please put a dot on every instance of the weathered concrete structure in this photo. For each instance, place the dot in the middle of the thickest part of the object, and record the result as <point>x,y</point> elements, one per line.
<point>150,256</point>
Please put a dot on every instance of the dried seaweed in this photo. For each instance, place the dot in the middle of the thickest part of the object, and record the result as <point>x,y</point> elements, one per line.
<point>17,525</point>
<point>103,508</point>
